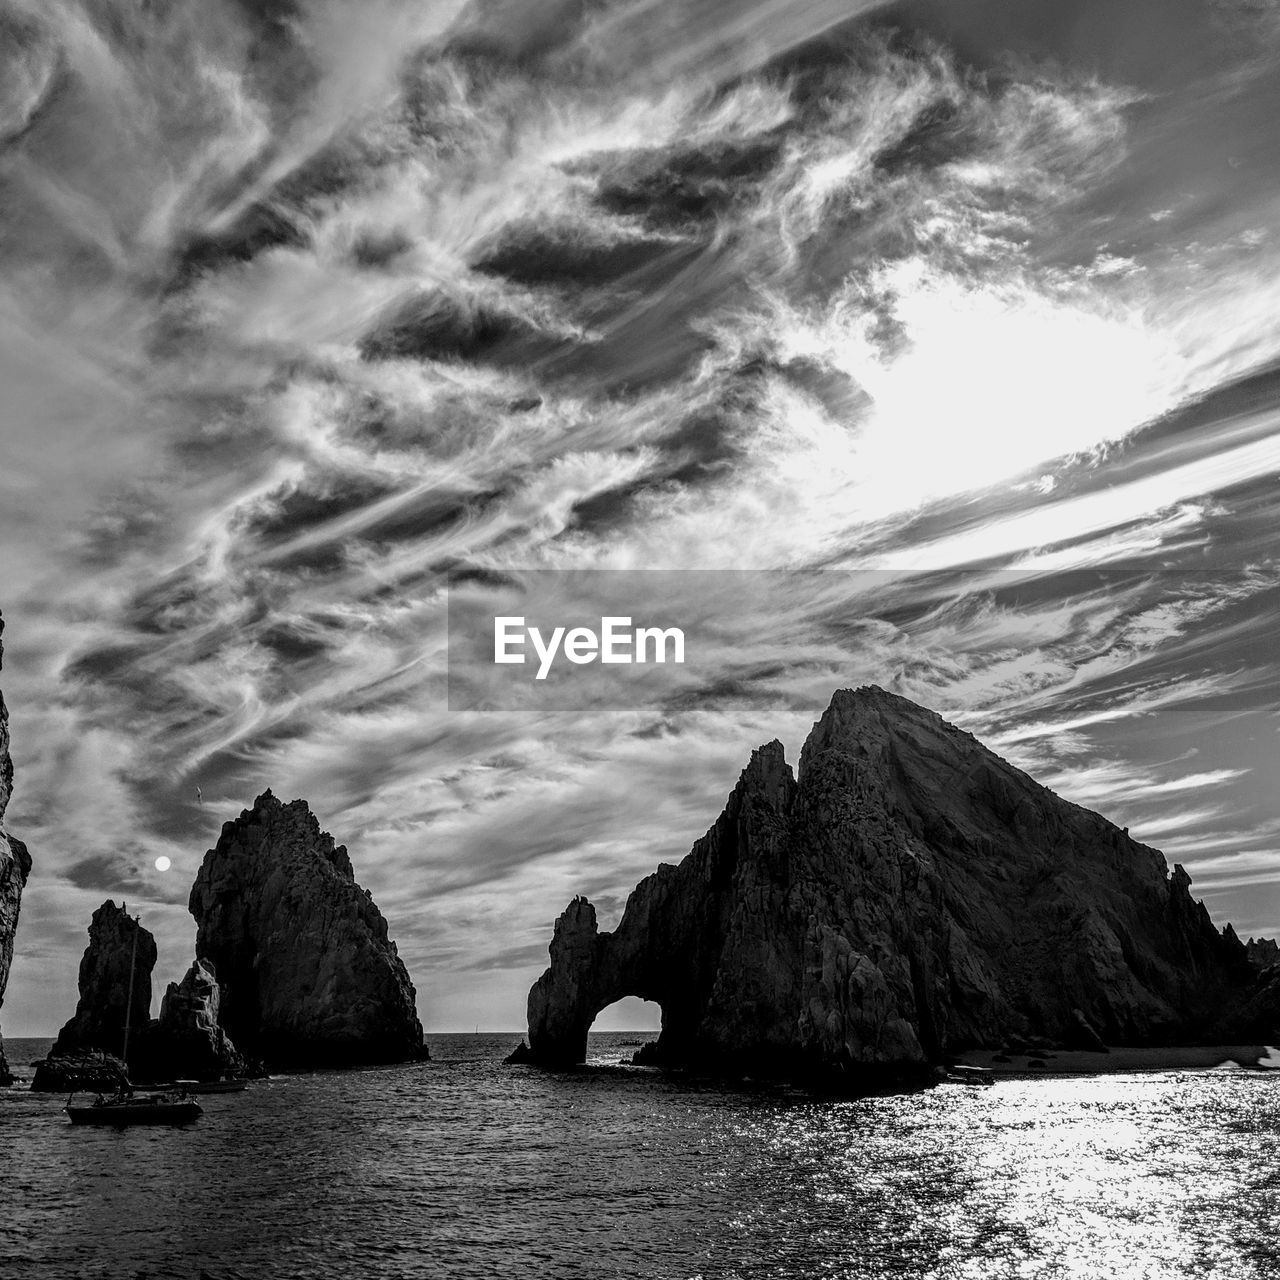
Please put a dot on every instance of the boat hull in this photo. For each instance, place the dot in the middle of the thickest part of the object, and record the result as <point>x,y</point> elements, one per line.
<point>118,1117</point>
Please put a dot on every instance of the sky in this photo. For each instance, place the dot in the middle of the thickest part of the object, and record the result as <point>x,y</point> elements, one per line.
<point>941,339</point>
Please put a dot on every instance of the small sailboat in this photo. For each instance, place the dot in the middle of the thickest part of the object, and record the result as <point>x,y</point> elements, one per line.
<point>126,1107</point>
<point>132,1108</point>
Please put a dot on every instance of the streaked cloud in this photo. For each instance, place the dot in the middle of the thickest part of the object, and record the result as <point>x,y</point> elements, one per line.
<point>297,328</point>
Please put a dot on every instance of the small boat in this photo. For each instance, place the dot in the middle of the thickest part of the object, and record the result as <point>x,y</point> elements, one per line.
<point>127,1109</point>
<point>210,1086</point>
<point>960,1074</point>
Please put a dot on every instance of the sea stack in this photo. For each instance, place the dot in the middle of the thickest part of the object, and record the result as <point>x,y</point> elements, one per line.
<point>184,1042</point>
<point>120,956</point>
<point>187,1042</point>
<point>15,866</point>
<point>911,895</point>
<point>308,975</point>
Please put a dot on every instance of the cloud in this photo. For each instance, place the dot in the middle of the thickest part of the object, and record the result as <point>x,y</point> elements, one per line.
<point>302,325</point>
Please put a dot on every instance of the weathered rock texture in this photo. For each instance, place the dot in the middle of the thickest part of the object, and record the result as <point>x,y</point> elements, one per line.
<point>15,866</point>
<point>186,1042</point>
<point>910,896</point>
<point>307,972</point>
<point>91,1071</point>
<point>117,944</point>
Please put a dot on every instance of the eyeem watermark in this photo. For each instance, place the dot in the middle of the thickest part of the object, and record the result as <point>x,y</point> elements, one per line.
<point>616,643</point>
<point>667,643</point>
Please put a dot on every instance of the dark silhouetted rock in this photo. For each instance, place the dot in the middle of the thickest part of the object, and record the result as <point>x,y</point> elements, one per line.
<point>1256,1019</point>
<point>90,1072</point>
<point>518,1055</point>
<point>186,1042</point>
<point>1085,1036</point>
<point>308,975</point>
<point>99,1020</point>
<point>15,866</point>
<point>1262,952</point>
<point>911,896</point>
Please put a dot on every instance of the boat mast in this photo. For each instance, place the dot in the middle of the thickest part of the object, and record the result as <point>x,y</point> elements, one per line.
<point>128,1008</point>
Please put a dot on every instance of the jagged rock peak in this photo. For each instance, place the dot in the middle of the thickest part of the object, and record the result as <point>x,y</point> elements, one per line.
<point>769,776</point>
<point>118,946</point>
<point>307,972</point>
<point>186,1042</point>
<point>857,719</point>
<point>275,817</point>
<point>910,895</point>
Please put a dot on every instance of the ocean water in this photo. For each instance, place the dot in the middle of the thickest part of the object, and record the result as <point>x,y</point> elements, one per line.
<point>463,1167</point>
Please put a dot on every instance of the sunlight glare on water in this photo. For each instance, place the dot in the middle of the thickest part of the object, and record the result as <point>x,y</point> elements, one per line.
<point>1064,1178</point>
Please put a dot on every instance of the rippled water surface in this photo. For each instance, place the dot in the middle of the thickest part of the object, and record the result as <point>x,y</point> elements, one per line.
<point>463,1167</point>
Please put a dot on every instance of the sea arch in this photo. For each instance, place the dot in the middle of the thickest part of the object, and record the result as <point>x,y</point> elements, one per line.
<point>589,972</point>
<point>670,945</point>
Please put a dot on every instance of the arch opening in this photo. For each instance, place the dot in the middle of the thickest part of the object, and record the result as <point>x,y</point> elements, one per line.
<point>592,972</point>
<point>622,1029</point>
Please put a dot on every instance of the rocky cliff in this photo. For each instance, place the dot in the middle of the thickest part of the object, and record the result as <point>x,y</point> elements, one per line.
<point>911,895</point>
<point>187,1041</point>
<point>15,866</point>
<point>118,946</point>
<point>308,974</point>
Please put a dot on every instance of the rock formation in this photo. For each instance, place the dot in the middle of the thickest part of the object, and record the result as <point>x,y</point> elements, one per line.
<point>91,1071</point>
<point>186,1042</point>
<point>911,895</point>
<point>118,945</point>
<point>15,866</point>
<point>1263,952</point>
<point>308,974</point>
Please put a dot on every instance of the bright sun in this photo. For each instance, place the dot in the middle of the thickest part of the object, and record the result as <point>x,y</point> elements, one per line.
<point>163,863</point>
